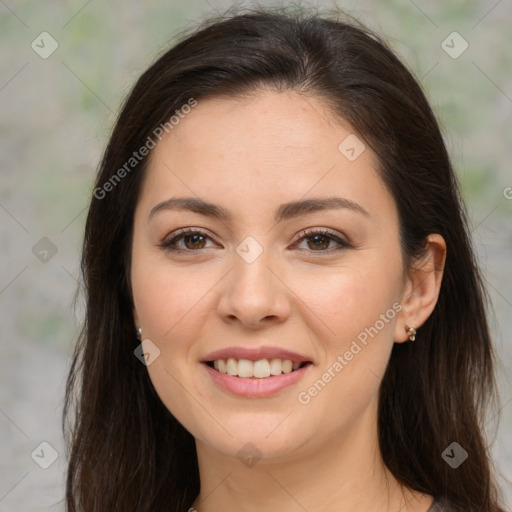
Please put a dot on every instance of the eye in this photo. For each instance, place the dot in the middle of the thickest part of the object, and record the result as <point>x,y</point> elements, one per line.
<point>193,239</point>
<point>320,239</point>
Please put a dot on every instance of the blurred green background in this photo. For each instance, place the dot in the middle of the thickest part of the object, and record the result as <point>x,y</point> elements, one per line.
<point>56,114</point>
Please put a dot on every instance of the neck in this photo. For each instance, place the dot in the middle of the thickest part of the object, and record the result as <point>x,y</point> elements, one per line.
<point>344,473</point>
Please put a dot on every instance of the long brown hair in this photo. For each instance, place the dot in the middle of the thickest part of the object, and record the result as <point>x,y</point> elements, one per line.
<point>126,450</point>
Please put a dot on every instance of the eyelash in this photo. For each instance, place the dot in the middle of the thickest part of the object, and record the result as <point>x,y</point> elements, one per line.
<point>305,234</point>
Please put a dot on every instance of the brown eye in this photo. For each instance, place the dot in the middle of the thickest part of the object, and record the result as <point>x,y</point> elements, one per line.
<point>191,239</point>
<point>319,241</point>
<point>194,241</point>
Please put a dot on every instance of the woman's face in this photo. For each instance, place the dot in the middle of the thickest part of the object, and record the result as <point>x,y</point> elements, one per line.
<point>254,276</point>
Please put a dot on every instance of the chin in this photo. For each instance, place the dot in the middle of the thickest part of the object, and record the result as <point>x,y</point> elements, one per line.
<point>257,437</point>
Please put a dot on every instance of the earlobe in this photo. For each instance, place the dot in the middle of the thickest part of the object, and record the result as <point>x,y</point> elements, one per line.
<point>138,328</point>
<point>422,289</point>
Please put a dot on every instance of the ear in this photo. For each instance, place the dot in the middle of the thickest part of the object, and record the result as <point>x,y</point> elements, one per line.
<point>421,289</point>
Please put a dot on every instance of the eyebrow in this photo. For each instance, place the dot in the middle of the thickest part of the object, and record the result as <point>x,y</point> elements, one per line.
<point>284,212</point>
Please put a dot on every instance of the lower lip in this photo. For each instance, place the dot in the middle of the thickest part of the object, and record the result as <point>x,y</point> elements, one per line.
<point>254,387</point>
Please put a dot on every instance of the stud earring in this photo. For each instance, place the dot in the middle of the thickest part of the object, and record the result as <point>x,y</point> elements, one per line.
<point>139,333</point>
<point>411,331</point>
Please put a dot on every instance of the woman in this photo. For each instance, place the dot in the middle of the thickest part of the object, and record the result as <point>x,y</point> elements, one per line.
<point>283,306</point>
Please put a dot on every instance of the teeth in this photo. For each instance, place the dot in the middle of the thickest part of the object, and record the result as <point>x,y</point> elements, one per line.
<point>287,366</point>
<point>245,368</point>
<point>276,366</point>
<point>231,366</point>
<point>222,366</point>
<point>260,369</point>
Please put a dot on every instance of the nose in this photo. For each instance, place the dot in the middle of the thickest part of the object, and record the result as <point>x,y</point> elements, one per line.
<point>254,295</point>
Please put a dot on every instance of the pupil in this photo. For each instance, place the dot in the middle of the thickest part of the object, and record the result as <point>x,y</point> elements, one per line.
<point>194,239</point>
<point>317,238</point>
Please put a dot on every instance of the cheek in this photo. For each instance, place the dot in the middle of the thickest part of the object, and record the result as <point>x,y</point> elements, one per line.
<point>349,299</point>
<point>169,305</point>
<point>355,347</point>
<point>166,297</point>
<point>353,316</point>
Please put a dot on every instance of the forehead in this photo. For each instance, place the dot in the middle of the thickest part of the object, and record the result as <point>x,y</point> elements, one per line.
<point>270,147</point>
<point>266,127</point>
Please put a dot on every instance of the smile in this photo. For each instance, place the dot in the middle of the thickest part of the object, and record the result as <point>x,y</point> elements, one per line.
<point>253,386</point>
<point>261,369</point>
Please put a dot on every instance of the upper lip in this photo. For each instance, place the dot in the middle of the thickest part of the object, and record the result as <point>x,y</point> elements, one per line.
<point>255,354</point>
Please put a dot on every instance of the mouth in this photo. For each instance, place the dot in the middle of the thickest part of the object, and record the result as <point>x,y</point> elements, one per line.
<point>258,377</point>
<point>265,368</point>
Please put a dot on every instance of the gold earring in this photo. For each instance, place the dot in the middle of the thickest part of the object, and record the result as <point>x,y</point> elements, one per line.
<point>411,331</point>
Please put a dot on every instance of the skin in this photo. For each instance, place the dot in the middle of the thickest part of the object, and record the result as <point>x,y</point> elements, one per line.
<point>250,155</point>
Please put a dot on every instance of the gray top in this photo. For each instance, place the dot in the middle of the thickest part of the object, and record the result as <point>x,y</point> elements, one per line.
<point>440,505</point>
